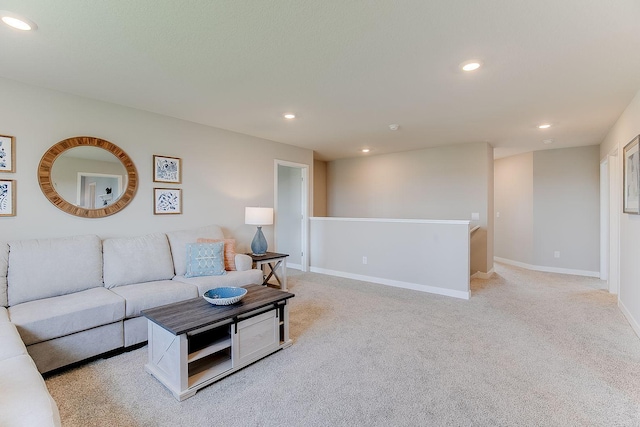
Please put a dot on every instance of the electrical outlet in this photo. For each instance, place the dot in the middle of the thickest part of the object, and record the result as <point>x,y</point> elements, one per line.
<point>364,259</point>
<point>556,254</point>
<point>497,214</point>
<point>475,216</point>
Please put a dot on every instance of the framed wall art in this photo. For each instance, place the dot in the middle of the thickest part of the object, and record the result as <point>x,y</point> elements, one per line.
<point>167,169</point>
<point>7,197</point>
<point>7,153</point>
<point>167,201</point>
<point>631,177</point>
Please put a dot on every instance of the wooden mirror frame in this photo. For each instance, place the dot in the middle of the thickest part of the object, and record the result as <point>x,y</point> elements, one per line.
<point>46,184</point>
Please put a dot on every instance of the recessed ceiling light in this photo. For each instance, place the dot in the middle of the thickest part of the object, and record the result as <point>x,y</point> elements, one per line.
<point>548,141</point>
<point>394,126</point>
<point>544,126</point>
<point>17,22</point>
<point>289,116</point>
<point>470,65</point>
<point>365,150</point>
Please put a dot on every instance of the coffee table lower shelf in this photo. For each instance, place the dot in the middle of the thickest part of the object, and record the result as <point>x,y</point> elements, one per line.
<point>187,362</point>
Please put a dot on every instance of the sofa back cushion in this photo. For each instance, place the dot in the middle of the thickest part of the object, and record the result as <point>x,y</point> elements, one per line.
<point>4,264</point>
<point>44,268</point>
<point>179,240</point>
<point>129,260</point>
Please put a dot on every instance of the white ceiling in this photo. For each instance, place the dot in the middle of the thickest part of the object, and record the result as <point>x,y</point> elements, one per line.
<point>347,68</point>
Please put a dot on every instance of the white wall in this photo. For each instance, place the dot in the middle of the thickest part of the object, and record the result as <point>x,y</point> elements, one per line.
<point>549,201</point>
<point>443,183</point>
<point>222,171</point>
<point>625,129</point>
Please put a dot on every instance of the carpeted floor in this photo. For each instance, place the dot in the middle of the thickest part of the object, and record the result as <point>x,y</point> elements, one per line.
<point>528,349</point>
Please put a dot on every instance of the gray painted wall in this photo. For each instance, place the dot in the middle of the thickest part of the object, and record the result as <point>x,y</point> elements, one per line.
<point>436,183</point>
<point>566,208</point>
<point>549,201</point>
<point>222,171</point>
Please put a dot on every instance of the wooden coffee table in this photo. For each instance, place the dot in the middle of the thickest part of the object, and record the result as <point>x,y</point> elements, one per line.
<point>193,343</point>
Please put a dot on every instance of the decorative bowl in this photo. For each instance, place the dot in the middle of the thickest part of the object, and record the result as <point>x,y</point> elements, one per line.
<point>224,296</point>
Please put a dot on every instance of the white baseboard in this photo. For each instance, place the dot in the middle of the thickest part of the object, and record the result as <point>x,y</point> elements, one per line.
<point>548,269</point>
<point>294,266</point>
<point>633,322</point>
<point>483,275</point>
<point>395,283</point>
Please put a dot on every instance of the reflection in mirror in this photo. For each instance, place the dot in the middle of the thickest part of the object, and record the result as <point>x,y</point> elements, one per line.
<point>88,177</point>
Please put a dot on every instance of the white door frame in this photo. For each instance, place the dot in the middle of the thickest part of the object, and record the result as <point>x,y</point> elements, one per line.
<point>305,207</point>
<point>615,211</point>
<point>604,219</point>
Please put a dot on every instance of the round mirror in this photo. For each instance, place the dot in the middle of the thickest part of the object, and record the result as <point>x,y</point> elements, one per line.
<point>87,177</point>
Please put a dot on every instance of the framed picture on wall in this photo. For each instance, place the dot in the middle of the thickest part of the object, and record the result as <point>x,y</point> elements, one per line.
<point>631,177</point>
<point>7,197</point>
<point>7,153</point>
<point>167,169</point>
<point>167,201</point>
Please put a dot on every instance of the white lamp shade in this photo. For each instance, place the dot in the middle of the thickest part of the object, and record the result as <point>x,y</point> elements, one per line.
<point>258,216</point>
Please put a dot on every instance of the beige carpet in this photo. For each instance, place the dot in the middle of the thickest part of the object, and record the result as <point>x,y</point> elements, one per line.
<point>528,349</point>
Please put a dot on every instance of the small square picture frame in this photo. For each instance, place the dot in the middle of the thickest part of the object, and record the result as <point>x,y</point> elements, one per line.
<point>7,197</point>
<point>7,153</point>
<point>167,201</point>
<point>167,169</point>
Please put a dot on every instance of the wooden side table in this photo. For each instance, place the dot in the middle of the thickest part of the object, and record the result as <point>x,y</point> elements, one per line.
<point>275,262</point>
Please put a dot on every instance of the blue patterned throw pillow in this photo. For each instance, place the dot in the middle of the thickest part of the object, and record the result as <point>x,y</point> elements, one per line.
<point>205,259</point>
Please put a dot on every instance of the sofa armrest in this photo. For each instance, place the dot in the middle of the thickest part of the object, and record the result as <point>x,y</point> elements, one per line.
<point>243,262</point>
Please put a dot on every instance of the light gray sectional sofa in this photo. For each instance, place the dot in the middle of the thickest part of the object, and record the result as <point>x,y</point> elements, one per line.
<point>68,299</point>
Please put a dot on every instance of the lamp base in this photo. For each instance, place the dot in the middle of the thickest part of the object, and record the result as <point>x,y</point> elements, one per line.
<point>259,243</point>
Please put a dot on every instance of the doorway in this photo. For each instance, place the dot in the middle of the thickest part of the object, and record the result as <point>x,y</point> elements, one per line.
<point>291,212</point>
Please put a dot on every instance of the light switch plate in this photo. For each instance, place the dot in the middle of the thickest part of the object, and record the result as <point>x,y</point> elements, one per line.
<point>475,216</point>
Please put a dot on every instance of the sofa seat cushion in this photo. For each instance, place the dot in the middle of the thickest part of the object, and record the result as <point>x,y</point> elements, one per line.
<point>55,317</point>
<point>11,344</point>
<point>47,268</point>
<point>142,296</point>
<point>232,278</point>
<point>24,398</point>
<point>179,239</point>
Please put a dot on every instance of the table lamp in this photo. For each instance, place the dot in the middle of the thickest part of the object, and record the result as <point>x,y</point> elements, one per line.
<point>259,217</point>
